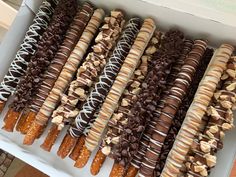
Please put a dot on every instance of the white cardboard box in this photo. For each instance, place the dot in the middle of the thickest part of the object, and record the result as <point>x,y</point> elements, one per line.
<point>167,15</point>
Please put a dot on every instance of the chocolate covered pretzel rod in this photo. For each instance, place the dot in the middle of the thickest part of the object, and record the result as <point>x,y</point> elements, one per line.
<point>138,157</point>
<point>171,105</point>
<point>198,108</point>
<point>65,76</point>
<point>110,103</point>
<point>47,48</point>
<point>119,117</point>
<point>178,120</point>
<point>27,49</point>
<point>201,157</point>
<point>102,87</point>
<point>153,86</point>
<point>98,95</point>
<point>49,78</point>
<point>86,76</point>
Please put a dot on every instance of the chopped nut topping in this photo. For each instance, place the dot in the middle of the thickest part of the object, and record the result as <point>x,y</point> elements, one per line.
<point>138,72</point>
<point>99,37</point>
<point>204,172</point>
<point>224,97</point>
<point>57,120</point>
<point>116,13</point>
<point>96,63</point>
<point>210,134</point>
<point>124,102</point>
<point>112,20</point>
<point>81,92</point>
<point>226,104</point>
<point>231,87</point>
<point>151,50</point>
<point>107,19</point>
<point>199,163</point>
<point>105,26</point>
<point>226,126</point>
<point>136,91</point>
<point>126,92</point>
<point>124,122</point>
<point>135,84</point>
<point>191,158</point>
<point>64,98</point>
<point>217,95</point>
<point>204,146</point>
<point>141,77</point>
<point>212,111</point>
<point>222,135</point>
<point>224,76</point>
<point>154,40</point>
<point>214,129</point>
<point>73,113</point>
<point>115,140</point>
<point>60,127</point>
<point>106,150</point>
<point>117,117</point>
<point>81,70</point>
<point>210,159</point>
<point>108,140</point>
<point>229,115</point>
<point>213,143</point>
<point>233,99</point>
<point>231,73</point>
<point>198,168</point>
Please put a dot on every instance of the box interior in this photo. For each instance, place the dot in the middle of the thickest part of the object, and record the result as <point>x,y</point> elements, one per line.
<point>192,25</point>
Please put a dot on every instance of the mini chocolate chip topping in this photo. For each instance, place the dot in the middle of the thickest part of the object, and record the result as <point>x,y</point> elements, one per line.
<point>47,47</point>
<point>177,122</point>
<point>152,87</point>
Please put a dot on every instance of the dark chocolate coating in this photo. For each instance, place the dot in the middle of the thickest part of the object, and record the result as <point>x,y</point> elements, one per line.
<point>27,49</point>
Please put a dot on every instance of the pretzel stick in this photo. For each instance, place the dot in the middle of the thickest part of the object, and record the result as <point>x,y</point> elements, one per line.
<point>106,79</point>
<point>87,73</point>
<point>86,154</point>
<point>22,120</point>
<point>196,111</point>
<point>47,48</point>
<point>116,123</point>
<point>51,138</point>
<point>117,170</point>
<point>2,105</point>
<point>97,163</point>
<point>132,171</point>
<point>65,76</point>
<point>49,78</point>
<point>76,151</point>
<point>10,119</point>
<point>65,150</point>
<point>27,50</point>
<point>117,89</point>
